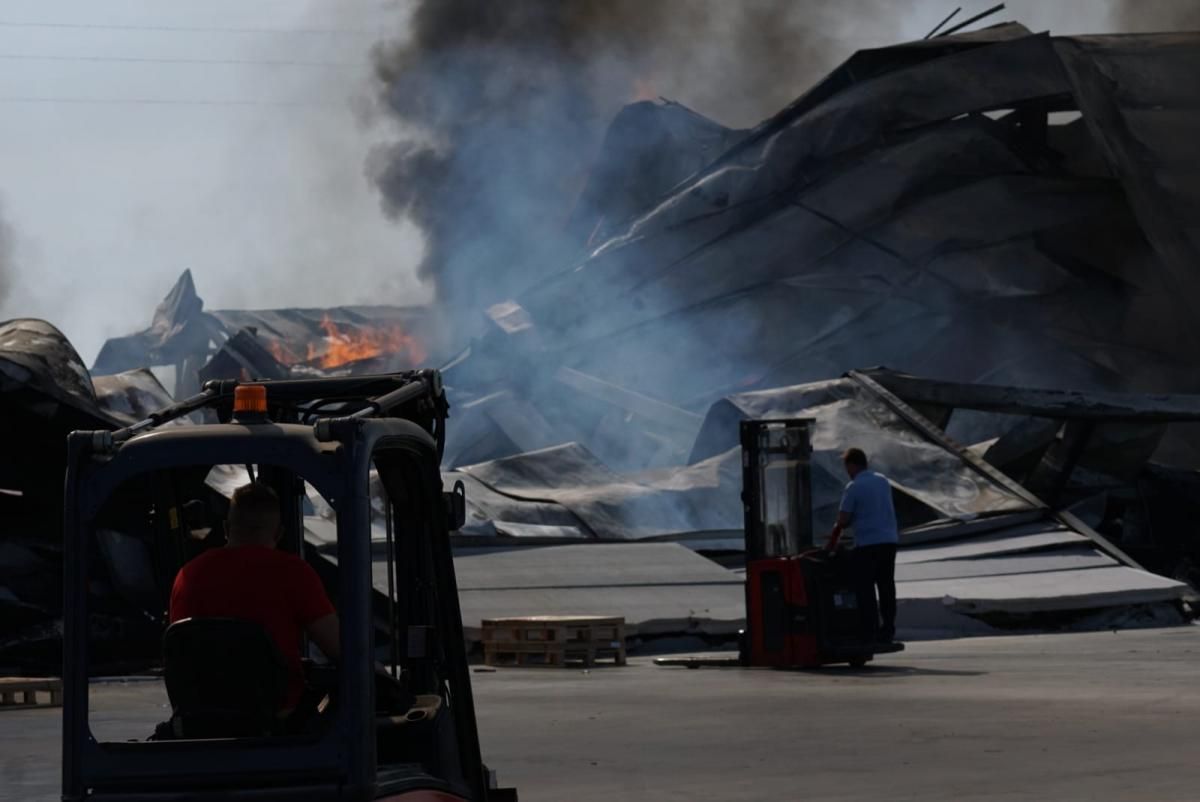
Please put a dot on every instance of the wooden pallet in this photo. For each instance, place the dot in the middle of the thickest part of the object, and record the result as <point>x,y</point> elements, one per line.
<point>549,640</point>
<point>19,693</point>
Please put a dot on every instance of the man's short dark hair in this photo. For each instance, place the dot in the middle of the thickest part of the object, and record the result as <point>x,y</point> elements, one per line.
<point>856,457</point>
<point>254,512</point>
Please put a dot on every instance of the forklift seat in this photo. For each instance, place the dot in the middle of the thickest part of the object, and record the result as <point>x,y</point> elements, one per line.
<point>225,678</point>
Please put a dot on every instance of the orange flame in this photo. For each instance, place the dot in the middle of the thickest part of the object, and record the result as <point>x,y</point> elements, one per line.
<point>343,347</point>
<point>339,347</point>
<point>283,355</point>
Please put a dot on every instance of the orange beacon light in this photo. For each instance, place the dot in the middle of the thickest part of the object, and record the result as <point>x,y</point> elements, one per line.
<point>249,400</point>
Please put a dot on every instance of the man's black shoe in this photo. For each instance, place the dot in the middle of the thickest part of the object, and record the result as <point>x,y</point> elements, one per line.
<point>885,647</point>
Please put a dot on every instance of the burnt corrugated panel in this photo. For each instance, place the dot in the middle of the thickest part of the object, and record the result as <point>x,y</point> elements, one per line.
<point>1140,96</point>
<point>37,356</point>
<point>181,333</point>
<point>649,148</point>
<point>293,336</point>
<point>178,329</point>
<point>134,394</point>
<point>45,393</point>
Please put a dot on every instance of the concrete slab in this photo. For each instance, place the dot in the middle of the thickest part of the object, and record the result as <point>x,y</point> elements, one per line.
<point>714,541</point>
<point>524,530</point>
<point>665,588</point>
<point>1014,523</point>
<point>659,588</point>
<point>586,565</point>
<point>1087,589</point>
<point>992,545</point>
<point>1074,558</point>
<point>716,609</point>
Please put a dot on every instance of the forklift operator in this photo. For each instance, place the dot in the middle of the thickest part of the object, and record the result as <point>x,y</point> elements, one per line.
<point>251,580</point>
<point>867,507</point>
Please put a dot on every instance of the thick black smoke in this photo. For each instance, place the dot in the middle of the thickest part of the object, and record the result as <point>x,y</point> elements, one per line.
<point>509,101</point>
<point>1156,15</point>
<point>505,103</point>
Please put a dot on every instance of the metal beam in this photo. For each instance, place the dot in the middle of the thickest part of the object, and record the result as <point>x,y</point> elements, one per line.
<point>936,435</point>
<point>942,24</point>
<point>1061,404</point>
<point>975,18</point>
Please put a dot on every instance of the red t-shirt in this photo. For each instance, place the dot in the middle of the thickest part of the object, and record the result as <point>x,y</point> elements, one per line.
<point>275,589</point>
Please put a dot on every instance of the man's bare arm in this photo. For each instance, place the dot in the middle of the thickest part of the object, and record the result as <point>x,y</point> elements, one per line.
<point>326,633</point>
<point>843,520</point>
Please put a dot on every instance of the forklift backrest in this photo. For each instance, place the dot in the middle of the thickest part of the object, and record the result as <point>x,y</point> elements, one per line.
<point>225,678</point>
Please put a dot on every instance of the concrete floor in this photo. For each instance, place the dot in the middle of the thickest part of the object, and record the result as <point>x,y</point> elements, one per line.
<point>1095,716</point>
<point>1098,716</point>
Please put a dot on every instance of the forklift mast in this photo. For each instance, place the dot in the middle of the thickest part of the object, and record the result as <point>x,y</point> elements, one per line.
<point>777,487</point>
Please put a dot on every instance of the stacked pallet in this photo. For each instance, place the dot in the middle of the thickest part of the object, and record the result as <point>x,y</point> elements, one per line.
<point>553,640</point>
<point>18,693</point>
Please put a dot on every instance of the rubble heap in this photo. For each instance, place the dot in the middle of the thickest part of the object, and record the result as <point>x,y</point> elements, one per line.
<point>993,211</point>
<point>997,207</point>
<point>268,344</point>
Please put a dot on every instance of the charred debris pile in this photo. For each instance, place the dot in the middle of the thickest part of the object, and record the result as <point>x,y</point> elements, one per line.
<point>1009,215</point>
<point>198,345</point>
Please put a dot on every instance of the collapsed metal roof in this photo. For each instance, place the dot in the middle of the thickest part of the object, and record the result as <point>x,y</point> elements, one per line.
<point>980,549</point>
<point>930,207</point>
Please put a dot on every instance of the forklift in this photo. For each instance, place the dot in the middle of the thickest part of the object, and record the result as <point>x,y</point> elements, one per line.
<point>804,606</point>
<point>361,457</point>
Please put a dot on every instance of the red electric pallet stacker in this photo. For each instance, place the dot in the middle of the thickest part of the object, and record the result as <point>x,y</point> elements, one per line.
<point>804,608</point>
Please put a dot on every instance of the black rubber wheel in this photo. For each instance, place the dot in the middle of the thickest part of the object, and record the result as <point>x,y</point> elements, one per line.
<point>859,662</point>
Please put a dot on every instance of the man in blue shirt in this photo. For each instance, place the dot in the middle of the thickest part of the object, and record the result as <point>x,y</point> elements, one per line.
<point>867,508</point>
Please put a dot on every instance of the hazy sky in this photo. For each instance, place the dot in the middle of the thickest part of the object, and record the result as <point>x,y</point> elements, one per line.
<point>250,174</point>
<point>265,201</point>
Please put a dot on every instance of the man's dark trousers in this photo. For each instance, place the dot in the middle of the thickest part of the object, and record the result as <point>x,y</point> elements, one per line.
<point>875,567</point>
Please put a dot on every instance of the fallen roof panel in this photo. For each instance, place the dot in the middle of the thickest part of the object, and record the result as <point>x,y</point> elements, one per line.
<point>132,395</point>
<point>993,545</point>
<point>652,610</point>
<point>1138,95</point>
<point>847,414</point>
<point>591,565</point>
<point>611,505</point>
<point>659,588</point>
<point>1049,591</point>
<point>1009,564</point>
